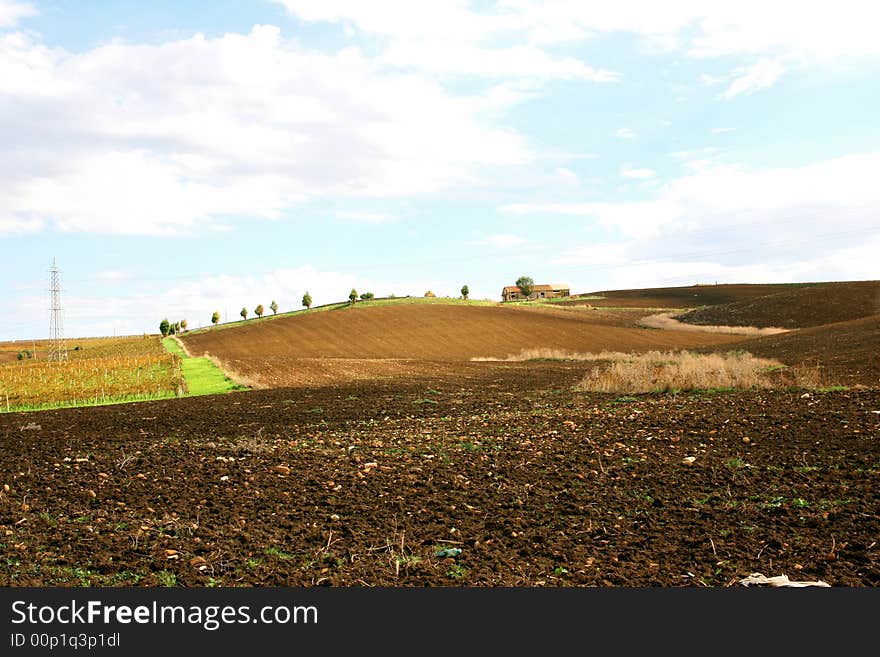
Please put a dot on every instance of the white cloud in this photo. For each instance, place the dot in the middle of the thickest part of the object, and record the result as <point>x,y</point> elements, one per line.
<point>12,11</point>
<point>719,131</point>
<point>836,197</point>
<point>625,133</point>
<point>628,171</point>
<point>753,78</point>
<point>156,139</point>
<point>366,217</point>
<point>448,38</point>
<point>567,175</point>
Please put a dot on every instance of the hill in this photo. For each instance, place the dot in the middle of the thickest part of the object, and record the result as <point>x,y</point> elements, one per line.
<point>680,297</point>
<point>849,352</point>
<point>271,352</point>
<point>797,307</point>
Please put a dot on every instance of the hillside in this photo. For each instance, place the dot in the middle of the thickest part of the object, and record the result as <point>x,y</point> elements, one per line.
<point>271,352</point>
<point>849,352</point>
<point>692,296</point>
<point>797,307</point>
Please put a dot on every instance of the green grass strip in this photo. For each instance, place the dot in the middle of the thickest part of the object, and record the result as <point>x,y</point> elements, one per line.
<point>202,377</point>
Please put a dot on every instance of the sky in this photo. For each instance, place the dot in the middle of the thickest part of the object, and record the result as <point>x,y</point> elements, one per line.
<point>176,159</point>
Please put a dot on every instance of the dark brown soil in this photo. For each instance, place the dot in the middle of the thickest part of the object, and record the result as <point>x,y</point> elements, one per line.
<point>799,307</point>
<point>692,296</point>
<point>849,352</point>
<point>363,484</point>
<point>398,340</point>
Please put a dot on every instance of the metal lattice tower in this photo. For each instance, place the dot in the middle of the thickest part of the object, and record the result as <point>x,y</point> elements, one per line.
<point>57,347</point>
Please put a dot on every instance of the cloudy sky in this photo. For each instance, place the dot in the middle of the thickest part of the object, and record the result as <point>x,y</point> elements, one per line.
<point>180,158</point>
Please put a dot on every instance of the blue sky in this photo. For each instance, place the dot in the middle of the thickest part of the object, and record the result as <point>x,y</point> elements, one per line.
<point>180,158</point>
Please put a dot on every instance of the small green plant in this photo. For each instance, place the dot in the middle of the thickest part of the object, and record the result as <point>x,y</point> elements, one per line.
<point>456,571</point>
<point>559,571</point>
<point>167,578</point>
<point>734,464</point>
<point>278,553</point>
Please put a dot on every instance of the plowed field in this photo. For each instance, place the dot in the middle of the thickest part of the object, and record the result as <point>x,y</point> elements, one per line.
<point>692,296</point>
<point>360,485</point>
<point>798,307</point>
<point>393,340</point>
<point>848,351</point>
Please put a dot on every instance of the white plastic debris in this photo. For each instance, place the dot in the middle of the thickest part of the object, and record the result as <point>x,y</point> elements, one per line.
<point>779,580</point>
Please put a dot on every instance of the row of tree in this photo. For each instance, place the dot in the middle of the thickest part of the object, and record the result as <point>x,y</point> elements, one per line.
<point>168,328</point>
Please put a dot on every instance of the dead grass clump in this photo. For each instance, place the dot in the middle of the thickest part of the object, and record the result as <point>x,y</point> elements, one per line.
<point>542,353</point>
<point>656,371</point>
<point>668,322</point>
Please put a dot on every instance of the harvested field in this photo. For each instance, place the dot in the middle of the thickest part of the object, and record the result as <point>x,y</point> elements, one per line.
<point>399,339</point>
<point>802,307</point>
<point>364,484</point>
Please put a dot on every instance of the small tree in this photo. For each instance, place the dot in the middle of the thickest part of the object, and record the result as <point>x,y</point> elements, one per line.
<point>215,318</point>
<point>258,311</point>
<point>274,307</point>
<point>165,327</point>
<point>465,292</point>
<point>175,327</point>
<point>352,296</point>
<point>307,300</point>
<point>183,324</point>
<point>366,296</point>
<point>430,294</point>
<point>243,313</point>
<point>525,285</point>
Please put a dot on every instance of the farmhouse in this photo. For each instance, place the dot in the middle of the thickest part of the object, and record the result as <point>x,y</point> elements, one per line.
<point>512,292</point>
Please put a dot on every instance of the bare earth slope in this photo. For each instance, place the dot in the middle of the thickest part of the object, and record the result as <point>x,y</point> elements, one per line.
<point>291,350</point>
<point>849,351</point>
<point>798,307</point>
<point>692,296</point>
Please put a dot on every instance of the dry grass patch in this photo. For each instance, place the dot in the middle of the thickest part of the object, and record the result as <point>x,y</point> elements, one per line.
<point>656,371</point>
<point>668,322</point>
